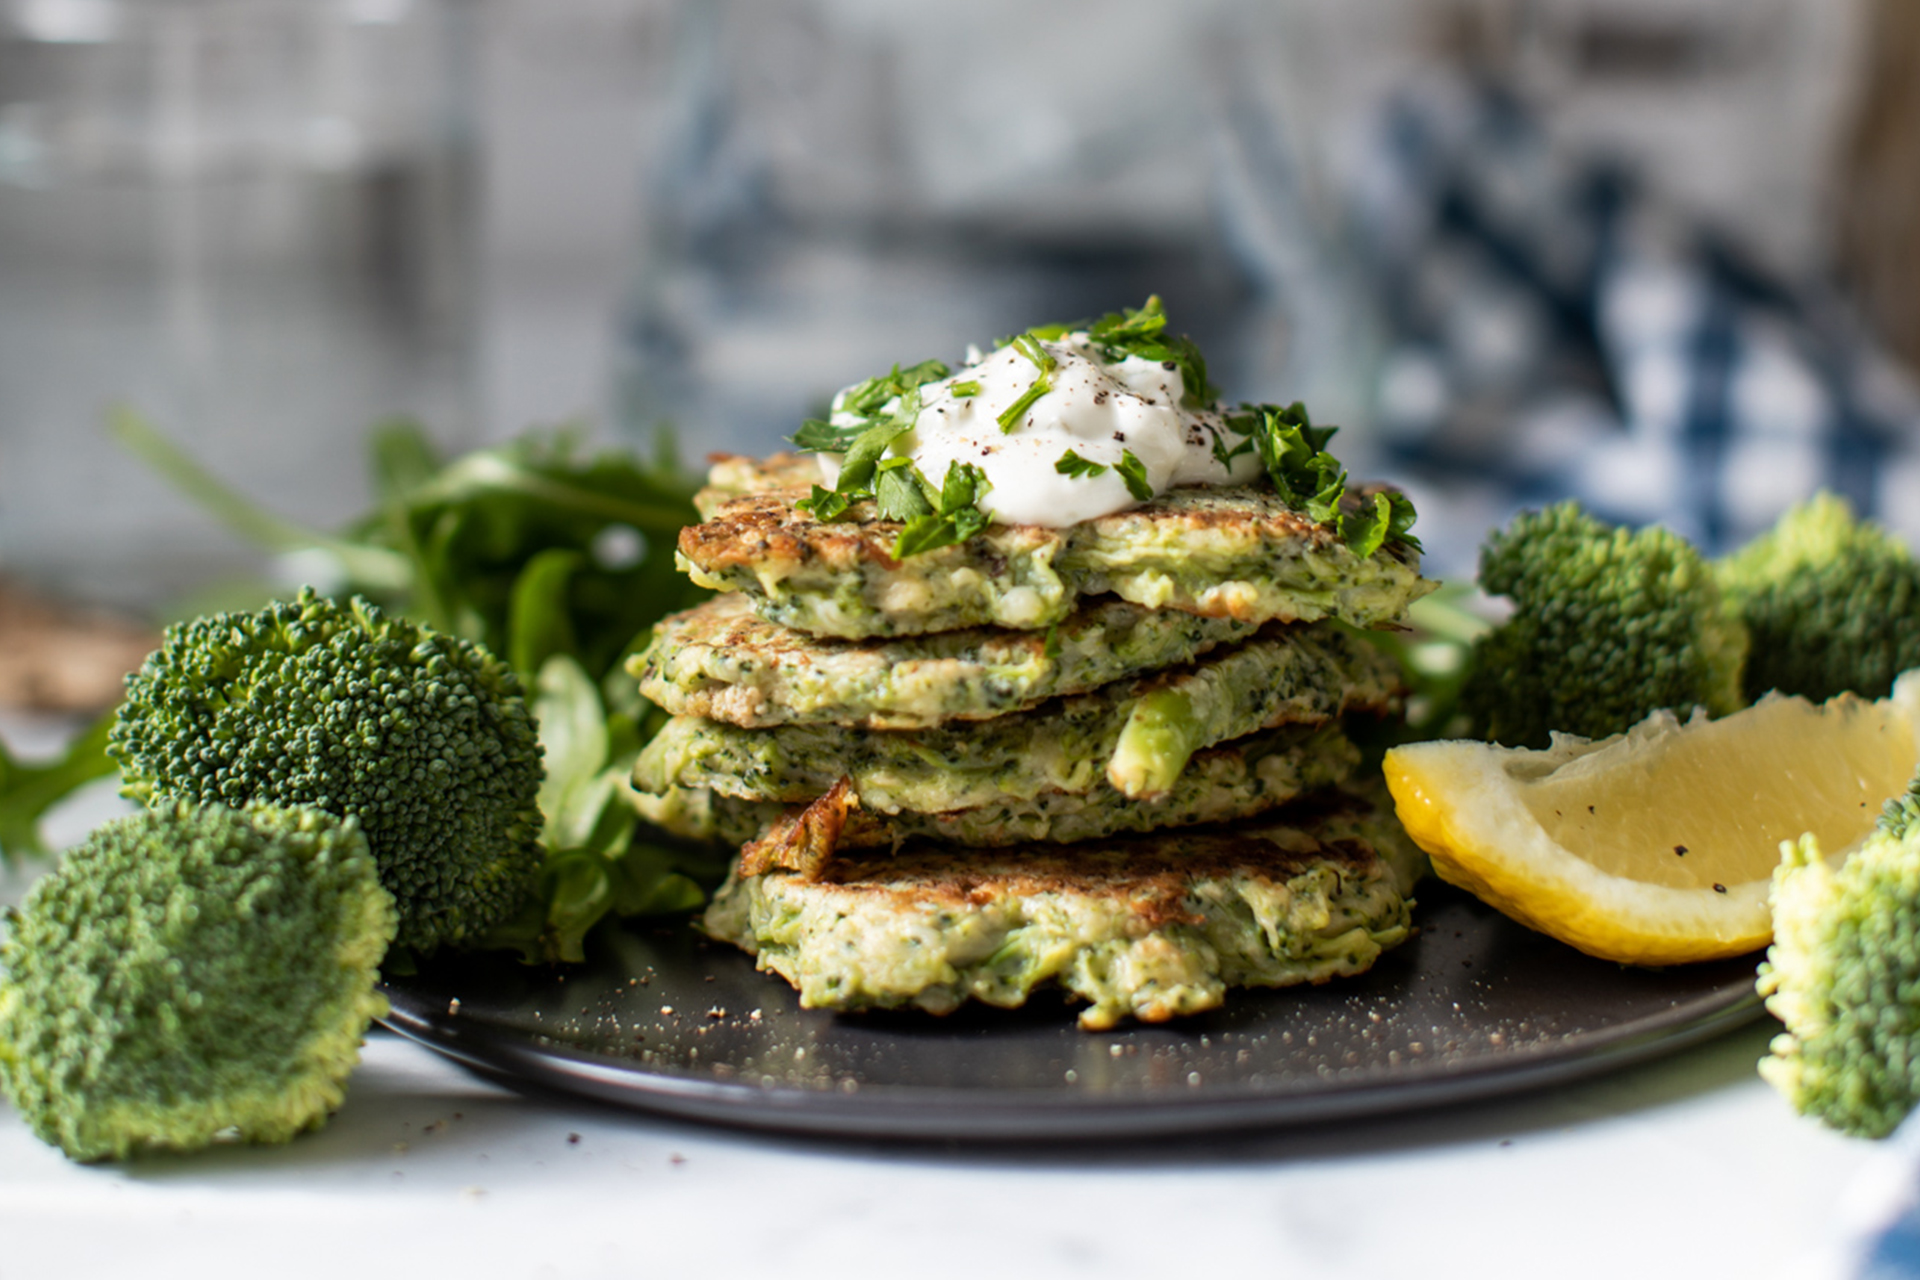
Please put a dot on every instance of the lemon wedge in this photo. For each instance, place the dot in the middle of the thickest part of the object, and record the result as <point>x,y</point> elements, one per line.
<point>1657,846</point>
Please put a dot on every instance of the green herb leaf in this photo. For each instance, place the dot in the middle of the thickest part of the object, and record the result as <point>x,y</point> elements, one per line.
<point>962,488</point>
<point>375,569</point>
<point>1225,456</point>
<point>1141,332</point>
<point>1010,416</point>
<point>929,533</point>
<point>1292,450</point>
<point>539,617</point>
<point>899,492</point>
<point>1386,519</point>
<point>1134,472</point>
<point>863,458</point>
<point>1030,347</point>
<point>448,548</point>
<point>28,791</point>
<point>1072,464</point>
<point>1294,453</point>
<point>816,436</point>
<point>824,505</point>
<point>573,741</point>
<point>869,397</point>
<point>403,458</point>
<point>867,401</point>
<point>964,390</point>
<point>958,517</point>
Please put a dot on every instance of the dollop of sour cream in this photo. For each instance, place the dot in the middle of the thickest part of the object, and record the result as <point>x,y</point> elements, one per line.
<point>1100,410</point>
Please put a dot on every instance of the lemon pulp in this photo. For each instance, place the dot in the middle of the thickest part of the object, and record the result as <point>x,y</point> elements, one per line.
<point>1657,846</point>
<point>1711,804</point>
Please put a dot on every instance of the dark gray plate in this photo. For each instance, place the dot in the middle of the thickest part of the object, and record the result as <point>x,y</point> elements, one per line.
<point>662,1020</point>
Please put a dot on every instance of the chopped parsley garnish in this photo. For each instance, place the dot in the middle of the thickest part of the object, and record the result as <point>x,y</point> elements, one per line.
<point>1294,453</point>
<point>1072,464</point>
<point>1389,519</point>
<point>897,490</point>
<point>866,402</point>
<point>1029,346</point>
<point>1134,472</point>
<point>1141,331</point>
<point>954,516</point>
<point>876,413</point>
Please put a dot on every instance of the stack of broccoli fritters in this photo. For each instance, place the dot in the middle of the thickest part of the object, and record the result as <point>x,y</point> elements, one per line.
<point>972,771</point>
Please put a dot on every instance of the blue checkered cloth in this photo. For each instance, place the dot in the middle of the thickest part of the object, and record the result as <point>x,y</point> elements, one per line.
<point>1558,331</point>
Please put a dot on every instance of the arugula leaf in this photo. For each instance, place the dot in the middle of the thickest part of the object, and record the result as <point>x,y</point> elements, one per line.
<point>1072,464</point>
<point>374,568</point>
<point>594,865</point>
<point>28,791</point>
<point>539,626</point>
<point>448,544</point>
<point>1134,472</point>
<point>573,742</point>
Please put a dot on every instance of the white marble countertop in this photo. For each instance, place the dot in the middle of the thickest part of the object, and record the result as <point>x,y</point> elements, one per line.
<point>1689,1166</point>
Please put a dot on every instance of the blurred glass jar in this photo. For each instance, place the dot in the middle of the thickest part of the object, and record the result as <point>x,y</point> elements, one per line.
<point>249,221</point>
<point>837,185</point>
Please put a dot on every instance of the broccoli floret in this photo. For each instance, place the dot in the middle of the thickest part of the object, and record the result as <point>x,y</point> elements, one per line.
<point>189,975</point>
<point>426,739</point>
<point>1608,626</point>
<point>1833,604</point>
<point>1844,975</point>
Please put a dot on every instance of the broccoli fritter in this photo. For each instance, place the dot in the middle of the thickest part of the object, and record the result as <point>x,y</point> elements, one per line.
<point>1221,551</point>
<point>426,739</point>
<point>1832,603</point>
<point>1149,926</point>
<point>1844,975</point>
<point>1608,626</point>
<point>190,974</point>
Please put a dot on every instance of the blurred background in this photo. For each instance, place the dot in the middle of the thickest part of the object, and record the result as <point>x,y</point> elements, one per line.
<point>1661,255</point>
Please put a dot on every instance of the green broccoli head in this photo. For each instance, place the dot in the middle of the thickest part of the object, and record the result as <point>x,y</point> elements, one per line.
<point>424,738</point>
<point>189,974</point>
<point>1833,604</point>
<point>1608,625</point>
<point>1844,975</point>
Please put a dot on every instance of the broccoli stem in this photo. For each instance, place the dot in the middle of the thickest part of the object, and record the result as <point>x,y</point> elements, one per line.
<point>1160,736</point>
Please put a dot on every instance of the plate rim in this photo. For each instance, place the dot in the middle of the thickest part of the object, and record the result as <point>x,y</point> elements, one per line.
<point>520,1061</point>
